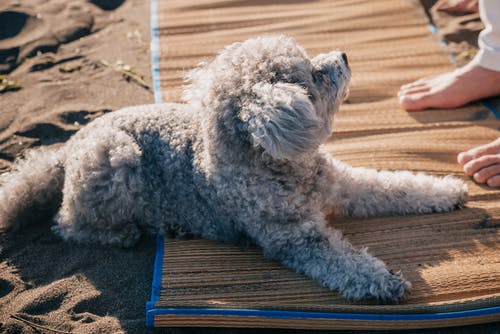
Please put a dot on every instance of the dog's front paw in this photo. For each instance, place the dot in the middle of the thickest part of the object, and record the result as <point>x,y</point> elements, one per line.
<point>384,286</point>
<point>391,288</point>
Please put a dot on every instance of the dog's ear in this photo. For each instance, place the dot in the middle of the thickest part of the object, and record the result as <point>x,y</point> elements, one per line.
<point>282,120</point>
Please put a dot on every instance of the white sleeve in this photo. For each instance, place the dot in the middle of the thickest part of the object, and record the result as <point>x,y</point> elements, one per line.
<point>489,39</point>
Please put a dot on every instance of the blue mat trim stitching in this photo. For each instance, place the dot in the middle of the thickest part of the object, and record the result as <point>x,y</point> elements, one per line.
<point>273,314</point>
<point>155,44</point>
<point>156,285</point>
<point>487,104</point>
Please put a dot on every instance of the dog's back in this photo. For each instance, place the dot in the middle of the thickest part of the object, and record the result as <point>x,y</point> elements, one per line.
<point>137,161</point>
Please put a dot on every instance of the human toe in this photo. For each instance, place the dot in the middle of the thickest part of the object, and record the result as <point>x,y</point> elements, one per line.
<point>413,90</point>
<point>427,80</point>
<point>411,85</point>
<point>416,101</point>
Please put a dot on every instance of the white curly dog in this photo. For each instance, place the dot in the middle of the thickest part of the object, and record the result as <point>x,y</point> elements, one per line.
<point>239,160</point>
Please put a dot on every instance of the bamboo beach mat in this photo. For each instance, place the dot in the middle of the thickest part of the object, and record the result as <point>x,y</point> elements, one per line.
<point>451,259</point>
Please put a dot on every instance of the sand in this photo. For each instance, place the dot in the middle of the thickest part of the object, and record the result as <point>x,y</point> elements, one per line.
<point>459,32</point>
<point>57,51</point>
<point>68,57</point>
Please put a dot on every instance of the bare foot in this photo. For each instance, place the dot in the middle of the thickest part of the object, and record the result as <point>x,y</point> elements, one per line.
<point>483,163</point>
<point>449,90</point>
<point>457,6</point>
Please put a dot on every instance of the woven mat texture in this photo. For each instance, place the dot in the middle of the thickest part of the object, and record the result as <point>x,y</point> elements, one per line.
<point>452,259</point>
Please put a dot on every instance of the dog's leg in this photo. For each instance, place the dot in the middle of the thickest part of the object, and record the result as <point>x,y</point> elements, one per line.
<point>321,253</point>
<point>102,192</point>
<point>363,192</point>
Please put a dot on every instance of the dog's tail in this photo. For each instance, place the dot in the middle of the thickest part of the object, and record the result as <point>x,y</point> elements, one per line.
<point>33,189</point>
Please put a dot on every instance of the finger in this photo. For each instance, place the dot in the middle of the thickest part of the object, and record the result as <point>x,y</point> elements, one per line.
<point>494,181</point>
<point>464,157</point>
<point>476,152</point>
<point>475,165</point>
<point>486,173</point>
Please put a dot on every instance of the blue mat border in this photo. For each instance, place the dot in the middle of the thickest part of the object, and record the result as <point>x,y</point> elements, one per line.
<point>274,314</point>
<point>157,279</point>
<point>151,311</point>
<point>157,270</point>
<point>155,45</point>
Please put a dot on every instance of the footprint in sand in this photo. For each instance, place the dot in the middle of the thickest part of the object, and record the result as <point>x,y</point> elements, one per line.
<point>81,117</point>
<point>5,287</point>
<point>46,133</point>
<point>91,305</point>
<point>45,302</point>
<point>107,4</point>
<point>26,30</point>
<point>63,295</point>
<point>20,33</point>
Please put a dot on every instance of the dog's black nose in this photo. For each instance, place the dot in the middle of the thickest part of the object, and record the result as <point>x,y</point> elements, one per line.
<point>344,58</point>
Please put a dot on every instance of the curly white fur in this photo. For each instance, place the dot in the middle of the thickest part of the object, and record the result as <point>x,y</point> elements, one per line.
<point>241,158</point>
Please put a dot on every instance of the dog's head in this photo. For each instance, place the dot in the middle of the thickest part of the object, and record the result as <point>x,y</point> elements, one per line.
<point>267,93</point>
